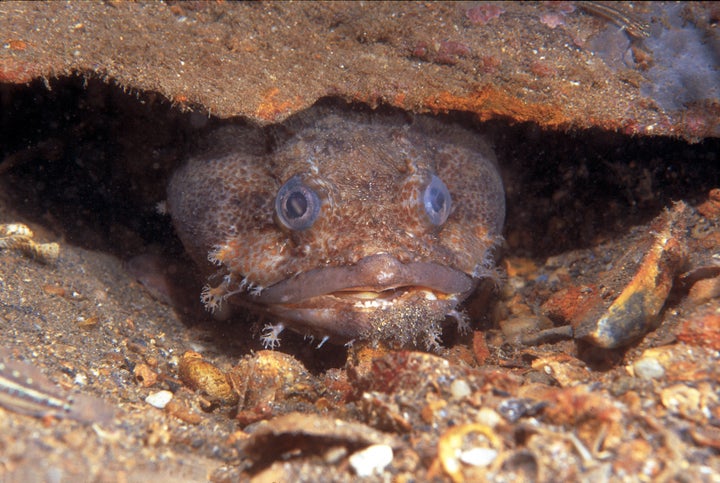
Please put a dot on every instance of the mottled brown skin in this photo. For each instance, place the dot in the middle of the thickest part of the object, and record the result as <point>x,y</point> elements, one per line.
<point>373,265</point>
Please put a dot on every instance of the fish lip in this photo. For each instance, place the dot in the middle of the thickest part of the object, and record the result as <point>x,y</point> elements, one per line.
<point>343,319</point>
<point>375,273</point>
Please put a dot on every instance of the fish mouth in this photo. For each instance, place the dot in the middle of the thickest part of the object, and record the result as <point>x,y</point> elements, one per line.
<point>354,301</point>
<point>375,276</point>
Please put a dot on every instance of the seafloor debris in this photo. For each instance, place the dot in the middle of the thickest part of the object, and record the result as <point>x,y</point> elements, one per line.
<point>202,376</point>
<point>634,27</point>
<point>305,434</point>
<point>26,390</point>
<point>470,444</point>
<point>642,280</point>
<point>17,236</point>
<point>159,399</point>
<point>268,380</point>
<point>634,312</point>
<point>371,460</point>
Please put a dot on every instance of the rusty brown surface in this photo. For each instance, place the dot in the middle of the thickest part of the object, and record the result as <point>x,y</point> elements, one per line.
<point>558,64</point>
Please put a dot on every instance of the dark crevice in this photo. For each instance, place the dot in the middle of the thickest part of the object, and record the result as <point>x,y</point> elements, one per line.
<point>91,161</point>
<point>576,190</point>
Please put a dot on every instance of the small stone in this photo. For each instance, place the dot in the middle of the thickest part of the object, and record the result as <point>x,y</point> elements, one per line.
<point>683,400</point>
<point>649,368</point>
<point>145,376</point>
<point>371,460</point>
<point>489,417</point>
<point>460,389</point>
<point>159,399</point>
<point>80,379</point>
<point>478,456</point>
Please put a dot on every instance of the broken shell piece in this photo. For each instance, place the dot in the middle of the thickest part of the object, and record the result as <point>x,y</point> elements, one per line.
<point>16,236</point>
<point>636,309</point>
<point>159,399</point>
<point>202,376</point>
<point>299,435</point>
<point>452,449</point>
<point>478,456</point>
<point>268,378</point>
<point>371,460</point>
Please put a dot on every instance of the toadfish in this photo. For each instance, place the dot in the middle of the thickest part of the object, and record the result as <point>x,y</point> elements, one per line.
<point>343,225</point>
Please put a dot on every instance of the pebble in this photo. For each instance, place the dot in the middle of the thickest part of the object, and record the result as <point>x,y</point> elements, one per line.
<point>489,417</point>
<point>649,368</point>
<point>159,399</point>
<point>480,457</point>
<point>371,460</point>
<point>460,389</point>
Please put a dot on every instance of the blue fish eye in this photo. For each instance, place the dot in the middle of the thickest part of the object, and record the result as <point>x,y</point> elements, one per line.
<point>437,201</point>
<point>297,206</point>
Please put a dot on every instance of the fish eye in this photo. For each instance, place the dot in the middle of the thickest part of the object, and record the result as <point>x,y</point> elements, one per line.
<point>297,206</point>
<point>436,201</point>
